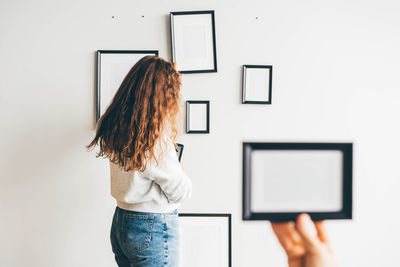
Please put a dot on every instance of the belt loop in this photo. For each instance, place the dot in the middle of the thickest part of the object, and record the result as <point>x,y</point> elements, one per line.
<point>118,211</point>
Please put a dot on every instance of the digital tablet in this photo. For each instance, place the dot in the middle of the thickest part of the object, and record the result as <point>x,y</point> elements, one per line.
<point>179,151</point>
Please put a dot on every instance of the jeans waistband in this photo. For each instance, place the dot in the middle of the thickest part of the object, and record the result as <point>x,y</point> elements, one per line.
<point>175,212</point>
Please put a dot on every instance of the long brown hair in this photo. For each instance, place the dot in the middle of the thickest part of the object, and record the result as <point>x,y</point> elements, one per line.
<point>146,104</point>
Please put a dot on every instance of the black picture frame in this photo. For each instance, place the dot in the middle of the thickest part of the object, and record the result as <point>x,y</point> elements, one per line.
<point>244,81</point>
<point>196,102</point>
<point>217,215</point>
<point>99,54</point>
<point>173,42</point>
<point>347,175</point>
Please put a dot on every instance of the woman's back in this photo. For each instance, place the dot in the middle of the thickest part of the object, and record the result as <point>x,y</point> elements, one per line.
<point>137,134</point>
<point>161,187</point>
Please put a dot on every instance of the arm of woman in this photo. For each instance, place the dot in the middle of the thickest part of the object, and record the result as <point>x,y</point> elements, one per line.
<point>169,175</point>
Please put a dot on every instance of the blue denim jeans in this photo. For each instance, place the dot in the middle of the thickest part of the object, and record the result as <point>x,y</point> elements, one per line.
<point>142,239</point>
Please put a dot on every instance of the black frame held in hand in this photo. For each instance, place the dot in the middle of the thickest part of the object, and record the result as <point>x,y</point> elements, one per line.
<point>346,173</point>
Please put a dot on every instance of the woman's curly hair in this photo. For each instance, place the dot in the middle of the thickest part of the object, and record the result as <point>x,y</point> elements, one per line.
<point>145,107</point>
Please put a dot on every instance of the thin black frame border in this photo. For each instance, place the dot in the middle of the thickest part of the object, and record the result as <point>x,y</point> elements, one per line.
<point>188,103</point>
<point>244,69</point>
<point>98,72</point>
<point>228,215</point>
<point>172,35</point>
<point>347,185</point>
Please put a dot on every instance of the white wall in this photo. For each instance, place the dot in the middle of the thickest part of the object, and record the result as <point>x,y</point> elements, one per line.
<point>336,67</point>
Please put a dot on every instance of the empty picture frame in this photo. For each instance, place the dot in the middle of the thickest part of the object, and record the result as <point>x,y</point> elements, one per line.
<point>193,42</point>
<point>205,240</point>
<point>282,180</point>
<point>197,116</point>
<point>257,84</point>
<point>112,67</point>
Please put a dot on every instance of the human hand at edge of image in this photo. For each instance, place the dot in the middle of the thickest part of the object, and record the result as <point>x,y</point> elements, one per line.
<point>303,247</point>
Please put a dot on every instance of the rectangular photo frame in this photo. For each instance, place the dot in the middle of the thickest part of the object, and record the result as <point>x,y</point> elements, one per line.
<point>208,233</point>
<point>112,67</point>
<point>283,180</point>
<point>197,116</point>
<point>193,44</point>
<point>257,84</point>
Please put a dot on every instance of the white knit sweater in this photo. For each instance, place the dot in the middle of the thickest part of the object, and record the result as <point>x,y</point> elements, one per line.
<point>160,188</point>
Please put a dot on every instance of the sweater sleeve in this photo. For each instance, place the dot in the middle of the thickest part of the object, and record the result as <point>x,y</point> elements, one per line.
<point>168,174</point>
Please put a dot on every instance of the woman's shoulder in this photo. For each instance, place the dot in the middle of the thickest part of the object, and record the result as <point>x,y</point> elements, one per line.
<point>164,149</point>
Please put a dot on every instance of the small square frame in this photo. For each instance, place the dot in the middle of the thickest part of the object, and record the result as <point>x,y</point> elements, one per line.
<point>196,102</point>
<point>244,80</point>
<point>173,41</point>
<point>216,215</point>
<point>347,174</point>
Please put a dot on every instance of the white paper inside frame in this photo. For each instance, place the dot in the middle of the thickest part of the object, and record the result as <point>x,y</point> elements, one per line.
<point>296,181</point>
<point>257,84</point>
<point>204,241</point>
<point>198,117</point>
<point>113,70</point>
<point>193,39</point>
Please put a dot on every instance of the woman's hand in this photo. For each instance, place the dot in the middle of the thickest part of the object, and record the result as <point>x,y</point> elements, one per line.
<point>303,247</point>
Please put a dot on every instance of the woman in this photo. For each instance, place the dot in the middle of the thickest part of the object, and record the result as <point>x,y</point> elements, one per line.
<point>138,133</point>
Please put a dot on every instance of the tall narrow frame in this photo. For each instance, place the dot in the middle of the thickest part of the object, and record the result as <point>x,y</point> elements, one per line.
<point>173,41</point>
